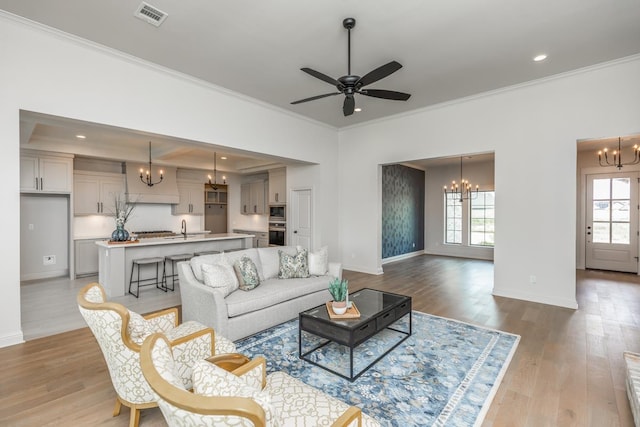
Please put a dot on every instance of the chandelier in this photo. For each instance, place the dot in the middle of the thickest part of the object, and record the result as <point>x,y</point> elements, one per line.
<point>617,156</point>
<point>148,179</point>
<point>462,191</point>
<point>214,184</point>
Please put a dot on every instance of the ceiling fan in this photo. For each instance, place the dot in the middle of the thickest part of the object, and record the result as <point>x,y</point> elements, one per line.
<point>350,85</point>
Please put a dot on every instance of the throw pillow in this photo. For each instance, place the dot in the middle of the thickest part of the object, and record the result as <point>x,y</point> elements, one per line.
<point>319,262</point>
<point>138,328</point>
<point>211,380</point>
<point>247,273</point>
<point>293,267</point>
<point>220,277</point>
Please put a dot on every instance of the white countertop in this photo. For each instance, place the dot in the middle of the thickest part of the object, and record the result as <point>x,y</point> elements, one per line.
<point>191,238</point>
<point>107,237</point>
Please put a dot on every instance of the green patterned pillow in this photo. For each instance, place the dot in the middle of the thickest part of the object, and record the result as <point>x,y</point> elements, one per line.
<point>247,273</point>
<point>293,267</point>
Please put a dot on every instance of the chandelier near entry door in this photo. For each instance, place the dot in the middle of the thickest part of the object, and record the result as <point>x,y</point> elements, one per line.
<point>611,233</point>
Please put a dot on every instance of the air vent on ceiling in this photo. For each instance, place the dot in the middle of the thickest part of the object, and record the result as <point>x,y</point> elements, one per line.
<point>151,14</point>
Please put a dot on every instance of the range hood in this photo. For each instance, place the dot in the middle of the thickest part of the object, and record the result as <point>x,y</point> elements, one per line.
<point>165,192</point>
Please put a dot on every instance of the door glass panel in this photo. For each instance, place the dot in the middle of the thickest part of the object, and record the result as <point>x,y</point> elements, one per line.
<point>600,232</point>
<point>620,188</point>
<point>620,211</point>
<point>620,233</point>
<point>601,211</point>
<point>601,189</point>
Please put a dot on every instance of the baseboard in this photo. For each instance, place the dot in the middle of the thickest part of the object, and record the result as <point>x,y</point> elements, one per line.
<point>359,269</point>
<point>12,339</point>
<point>45,275</point>
<point>401,257</point>
<point>526,296</point>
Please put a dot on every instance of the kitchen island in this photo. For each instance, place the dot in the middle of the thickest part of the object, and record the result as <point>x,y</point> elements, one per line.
<point>115,259</point>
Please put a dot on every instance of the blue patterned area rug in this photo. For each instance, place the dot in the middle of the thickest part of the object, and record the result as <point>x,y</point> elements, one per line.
<point>445,374</point>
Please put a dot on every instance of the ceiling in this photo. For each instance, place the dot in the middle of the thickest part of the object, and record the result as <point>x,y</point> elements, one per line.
<point>448,49</point>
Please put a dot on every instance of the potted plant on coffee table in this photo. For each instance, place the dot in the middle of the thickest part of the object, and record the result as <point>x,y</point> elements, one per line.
<point>339,291</point>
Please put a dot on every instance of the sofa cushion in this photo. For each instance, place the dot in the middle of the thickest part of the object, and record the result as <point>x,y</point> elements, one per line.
<point>296,266</point>
<point>221,277</point>
<point>197,262</point>
<point>247,273</point>
<point>319,262</point>
<point>270,259</point>
<point>272,292</point>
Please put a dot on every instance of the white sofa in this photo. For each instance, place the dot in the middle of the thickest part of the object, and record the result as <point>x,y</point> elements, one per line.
<point>243,313</point>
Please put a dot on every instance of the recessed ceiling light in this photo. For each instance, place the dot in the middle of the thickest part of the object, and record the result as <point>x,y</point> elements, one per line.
<point>223,158</point>
<point>81,136</point>
<point>357,110</point>
<point>540,57</point>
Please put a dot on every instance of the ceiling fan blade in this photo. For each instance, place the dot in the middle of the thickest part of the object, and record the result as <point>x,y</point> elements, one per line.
<point>323,77</point>
<point>386,94</point>
<point>313,98</point>
<point>379,73</point>
<point>348,106</point>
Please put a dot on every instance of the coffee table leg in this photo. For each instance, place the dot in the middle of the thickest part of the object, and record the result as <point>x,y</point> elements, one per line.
<point>351,357</point>
<point>300,343</point>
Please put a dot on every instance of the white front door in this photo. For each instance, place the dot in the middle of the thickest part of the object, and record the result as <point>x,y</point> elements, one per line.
<point>612,222</point>
<point>300,224</point>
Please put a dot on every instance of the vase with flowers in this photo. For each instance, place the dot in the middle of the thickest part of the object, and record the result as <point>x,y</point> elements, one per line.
<point>123,210</point>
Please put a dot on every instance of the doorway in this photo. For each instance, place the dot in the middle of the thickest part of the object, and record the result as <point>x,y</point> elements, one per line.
<point>611,232</point>
<point>301,219</point>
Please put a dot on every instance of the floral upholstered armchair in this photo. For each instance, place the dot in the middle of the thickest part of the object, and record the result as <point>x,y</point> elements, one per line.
<point>244,396</point>
<point>120,334</point>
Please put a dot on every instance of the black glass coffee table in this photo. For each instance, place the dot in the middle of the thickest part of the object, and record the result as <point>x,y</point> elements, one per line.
<point>378,311</point>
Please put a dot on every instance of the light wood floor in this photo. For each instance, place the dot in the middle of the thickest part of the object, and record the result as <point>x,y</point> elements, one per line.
<point>567,371</point>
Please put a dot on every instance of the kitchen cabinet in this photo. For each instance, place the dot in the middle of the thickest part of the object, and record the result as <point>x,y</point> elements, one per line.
<point>95,193</point>
<point>260,240</point>
<point>191,199</point>
<point>218,196</point>
<point>46,173</point>
<point>86,257</point>
<point>277,187</point>
<point>252,198</point>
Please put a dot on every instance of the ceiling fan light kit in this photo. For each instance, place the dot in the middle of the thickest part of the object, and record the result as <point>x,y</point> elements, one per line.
<point>351,85</point>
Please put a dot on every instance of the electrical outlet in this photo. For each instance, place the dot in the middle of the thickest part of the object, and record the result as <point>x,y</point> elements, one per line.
<point>31,227</point>
<point>532,280</point>
<point>48,260</point>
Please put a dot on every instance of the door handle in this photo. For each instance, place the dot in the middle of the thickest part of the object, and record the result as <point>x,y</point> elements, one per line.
<point>295,231</point>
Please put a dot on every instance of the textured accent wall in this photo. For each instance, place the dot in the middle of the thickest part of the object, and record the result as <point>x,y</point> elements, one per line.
<point>402,210</point>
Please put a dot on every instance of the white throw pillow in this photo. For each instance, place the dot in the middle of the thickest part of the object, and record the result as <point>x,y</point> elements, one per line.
<point>220,277</point>
<point>319,262</point>
<point>211,380</point>
<point>138,328</point>
<point>198,261</point>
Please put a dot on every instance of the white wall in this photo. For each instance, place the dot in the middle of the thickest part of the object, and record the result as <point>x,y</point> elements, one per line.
<point>533,131</point>
<point>49,73</point>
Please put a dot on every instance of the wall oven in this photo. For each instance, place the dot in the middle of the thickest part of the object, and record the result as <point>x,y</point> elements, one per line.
<point>277,233</point>
<point>277,213</point>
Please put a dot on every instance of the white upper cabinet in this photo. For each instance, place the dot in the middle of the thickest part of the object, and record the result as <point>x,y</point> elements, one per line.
<point>252,198</point>
<point>277,186</point>
<point>95,193</point>
<point>191,199</point>
<point>46,173</point>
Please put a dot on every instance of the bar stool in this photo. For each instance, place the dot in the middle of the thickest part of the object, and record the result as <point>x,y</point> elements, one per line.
<point>172,259</point>
<point>139,263</point>
<point>206,253</point>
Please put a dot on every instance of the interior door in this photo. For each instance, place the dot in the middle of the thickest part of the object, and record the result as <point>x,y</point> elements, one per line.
<point>612,222</point>
<point>301,219</point>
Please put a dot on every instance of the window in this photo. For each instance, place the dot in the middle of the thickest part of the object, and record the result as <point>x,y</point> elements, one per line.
<point>482,219</point>
<point>453,219</point>
<point>470,222</point>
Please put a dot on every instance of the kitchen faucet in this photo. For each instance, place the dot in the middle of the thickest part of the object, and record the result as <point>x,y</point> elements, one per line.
<point>183,228</point>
